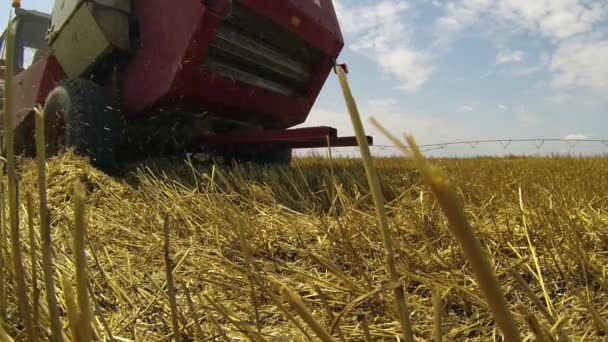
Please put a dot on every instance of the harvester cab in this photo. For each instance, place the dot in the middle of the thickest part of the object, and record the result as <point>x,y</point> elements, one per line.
<point>30,30</point>
<point>223,77</point>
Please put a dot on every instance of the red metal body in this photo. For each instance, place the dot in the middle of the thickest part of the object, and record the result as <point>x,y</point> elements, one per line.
<point>174,47</point>
<point>309,137</point>
<point>32,86</point>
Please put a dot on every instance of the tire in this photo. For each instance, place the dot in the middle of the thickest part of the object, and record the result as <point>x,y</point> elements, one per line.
<point>92,127</point>
<point>276,155</point>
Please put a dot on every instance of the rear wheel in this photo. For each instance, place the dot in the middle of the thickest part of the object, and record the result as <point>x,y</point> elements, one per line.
<point>265,154</point>
<point>92,127</point>
<point>277,155</point>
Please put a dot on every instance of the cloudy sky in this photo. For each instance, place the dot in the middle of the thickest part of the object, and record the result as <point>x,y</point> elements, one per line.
<point>471,70</point>
<point>476,69</point>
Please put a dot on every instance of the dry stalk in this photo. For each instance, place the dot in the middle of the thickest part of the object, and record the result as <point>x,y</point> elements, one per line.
<point>534,325</point>
<point>438,310</point>
<point>462,230</point>
<point>329,312</point>
<point>45,225</point>
<point>296,303</point>
<point>216,323</point>
<point>84,306</point>
<point>533,298</point>
<point>33,261</point>
<point>192,313</point>
<point>71,307</point>
<point>247,254</point>
<point>374,183</point>
<point>361,299</point>
<point>538,274</point>
<point>13,204</point>
<point>99,314</point>
<point>239,324</point>
<point>277,301</point>
<point>4,337</point>
<point>170,283</point>
<point>362,318</point>
<point>593,312</point>
<point>3,256</point>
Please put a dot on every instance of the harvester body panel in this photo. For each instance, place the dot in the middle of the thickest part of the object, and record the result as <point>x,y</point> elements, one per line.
<point>253,60</point>
<point>82,33</point>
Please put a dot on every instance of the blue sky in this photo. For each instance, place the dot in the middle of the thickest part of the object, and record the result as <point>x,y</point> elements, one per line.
<point>471,69</point>
<point>476,69</point>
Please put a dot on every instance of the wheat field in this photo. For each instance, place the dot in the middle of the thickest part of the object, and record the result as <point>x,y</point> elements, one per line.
<point>238,235</point>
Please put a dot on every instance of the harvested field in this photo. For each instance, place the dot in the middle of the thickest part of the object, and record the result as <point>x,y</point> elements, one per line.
<point>238,235</point>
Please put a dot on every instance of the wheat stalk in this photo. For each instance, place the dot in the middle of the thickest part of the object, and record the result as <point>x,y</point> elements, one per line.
<point>84,305</point>
<point>170,284</point>
<point>462,230</point>
<point>13,201</point>
<point>374,184</point>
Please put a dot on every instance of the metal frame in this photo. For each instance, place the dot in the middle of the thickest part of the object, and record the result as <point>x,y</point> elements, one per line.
<point>297,138</point>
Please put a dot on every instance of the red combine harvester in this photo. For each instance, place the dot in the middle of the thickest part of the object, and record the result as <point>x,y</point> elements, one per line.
<point>220,77</point>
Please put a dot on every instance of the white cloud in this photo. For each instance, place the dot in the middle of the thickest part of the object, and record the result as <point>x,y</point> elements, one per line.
<point>575,136</point>
<point>526,116</point>
<point>383,103</point>
<point>379,32</point>
<point>507,56</point>
<point>580,58</point>
<point>581,63</point>
<point>459,16</point>
<point>556,19</point>
<point>502,107</point>
<point>558,98</point>
<point>466,108</point>
<point>526,70</point>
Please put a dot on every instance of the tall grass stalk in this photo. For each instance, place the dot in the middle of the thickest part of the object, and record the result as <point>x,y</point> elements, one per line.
<point>593,312</point>
<point>45,226</point>
<point>18,269</point>
<point>71,307</point>
<point>192,313</point>
<point>277,302</point>
<point>538,274</point>
<point>4,337</point>
<point>99,314</point>
<point>533,298</point>
<point>170,283</point>
<point>362,318</point>
<point>296,303</point>
<point>329,312</point>
<point>461,228</point>
<point>374,183</point>
<point>247,256</point>
<point>33,259</point>
<point>84,305</point>
<point>3,256</point>
<point>438,310</point>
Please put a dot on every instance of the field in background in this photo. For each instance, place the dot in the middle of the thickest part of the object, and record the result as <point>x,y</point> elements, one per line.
<point>237,235</point>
